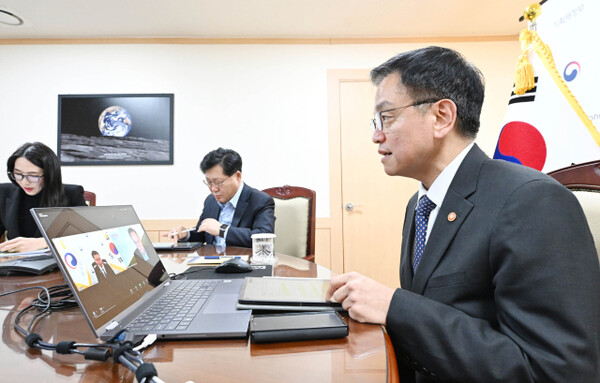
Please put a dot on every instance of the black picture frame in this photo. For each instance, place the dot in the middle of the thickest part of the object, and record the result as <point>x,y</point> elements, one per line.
<point>115,129</point>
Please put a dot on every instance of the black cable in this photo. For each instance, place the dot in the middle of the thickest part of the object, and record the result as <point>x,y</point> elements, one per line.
<point>191,270</point>
<point>61,298</point>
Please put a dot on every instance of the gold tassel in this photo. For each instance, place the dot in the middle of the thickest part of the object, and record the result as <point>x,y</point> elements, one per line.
<point>524,77</point>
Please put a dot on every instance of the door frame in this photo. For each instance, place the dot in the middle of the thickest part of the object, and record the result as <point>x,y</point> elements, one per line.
<point>334,78</point>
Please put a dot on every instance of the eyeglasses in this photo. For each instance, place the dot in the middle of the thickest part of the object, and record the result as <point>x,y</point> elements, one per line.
<point>377,121</point>
<point>215,183</point>
<point>19,177</point>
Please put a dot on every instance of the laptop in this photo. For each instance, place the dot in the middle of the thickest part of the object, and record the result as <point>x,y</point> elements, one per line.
<point>120,282</point>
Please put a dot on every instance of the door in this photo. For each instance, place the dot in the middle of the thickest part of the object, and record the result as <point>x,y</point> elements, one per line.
<point>372,204</point>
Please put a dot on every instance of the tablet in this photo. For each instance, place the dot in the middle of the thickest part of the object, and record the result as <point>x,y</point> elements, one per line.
<point>279,293</point>
<point>176,246</point>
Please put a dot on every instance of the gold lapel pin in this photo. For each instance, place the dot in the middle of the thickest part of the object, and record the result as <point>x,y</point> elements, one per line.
<point>451,216</point>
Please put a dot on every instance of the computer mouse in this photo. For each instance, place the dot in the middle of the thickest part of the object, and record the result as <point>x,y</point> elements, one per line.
<point>234,265</point>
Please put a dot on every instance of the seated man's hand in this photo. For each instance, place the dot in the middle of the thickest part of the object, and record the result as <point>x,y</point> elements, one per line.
<point>211,226</point>
<point>176,233</point>
<point>365,300</point>
<point>22,244</point>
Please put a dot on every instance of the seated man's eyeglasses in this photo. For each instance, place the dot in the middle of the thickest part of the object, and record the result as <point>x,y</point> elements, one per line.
<point>215,183</point>
<point>19,177</point>
<point>377,122</point>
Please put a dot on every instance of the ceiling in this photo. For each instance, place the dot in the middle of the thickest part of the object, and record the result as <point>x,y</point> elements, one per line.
<point>262,19</point>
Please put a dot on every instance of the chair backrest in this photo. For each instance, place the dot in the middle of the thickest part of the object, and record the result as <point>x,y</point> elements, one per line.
<point>584,181</point>
<point>295,220</point>
<point>89,197</point>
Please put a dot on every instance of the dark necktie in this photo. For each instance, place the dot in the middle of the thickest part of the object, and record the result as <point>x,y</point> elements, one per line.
<point>424,208</point>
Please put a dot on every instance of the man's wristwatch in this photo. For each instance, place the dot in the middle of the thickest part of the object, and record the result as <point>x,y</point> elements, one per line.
<point>222,230</point>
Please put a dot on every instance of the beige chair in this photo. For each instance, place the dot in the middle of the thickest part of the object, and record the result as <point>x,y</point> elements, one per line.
<point>584,181</point>
<point>89,197</point>
<point>295,220</point>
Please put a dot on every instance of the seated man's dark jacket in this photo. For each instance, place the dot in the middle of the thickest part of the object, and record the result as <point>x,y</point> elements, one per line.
<point>10,197</point>
<point>254,213</point>
<point>110,273</point>
<point>508,287</point>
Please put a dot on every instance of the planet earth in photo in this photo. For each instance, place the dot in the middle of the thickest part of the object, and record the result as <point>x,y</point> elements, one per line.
<point>114,121</point>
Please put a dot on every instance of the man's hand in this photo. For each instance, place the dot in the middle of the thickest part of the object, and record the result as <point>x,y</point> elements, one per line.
<point>365,300</point>
<point>21,244</point>
<point>176,234</point>
<point>211,226</point>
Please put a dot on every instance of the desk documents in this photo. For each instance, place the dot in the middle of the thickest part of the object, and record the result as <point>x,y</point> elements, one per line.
<point>289,294</point>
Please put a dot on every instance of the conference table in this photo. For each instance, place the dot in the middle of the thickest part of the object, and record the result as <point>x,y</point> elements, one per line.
<point>365,355</point>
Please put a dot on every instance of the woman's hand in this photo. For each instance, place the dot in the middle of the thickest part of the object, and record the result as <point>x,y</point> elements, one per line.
<point>22,244</point>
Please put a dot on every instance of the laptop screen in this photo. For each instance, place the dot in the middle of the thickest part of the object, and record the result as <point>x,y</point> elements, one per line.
<point>105,254</point>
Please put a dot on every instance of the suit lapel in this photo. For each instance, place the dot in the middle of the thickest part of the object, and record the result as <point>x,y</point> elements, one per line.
<point>12,213</point>
<point>406,274</point>
<point>213,211</point>
<point>242,204</point>
<point>452,214</point>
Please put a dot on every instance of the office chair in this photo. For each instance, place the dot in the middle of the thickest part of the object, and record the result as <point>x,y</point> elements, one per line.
<point>89,197</point>
<point>295,220</point>
<point>584,181</point>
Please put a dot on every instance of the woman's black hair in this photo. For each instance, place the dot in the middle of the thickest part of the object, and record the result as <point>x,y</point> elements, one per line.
<point>40,155</point>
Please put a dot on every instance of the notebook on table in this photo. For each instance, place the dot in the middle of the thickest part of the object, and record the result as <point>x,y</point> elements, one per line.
<point>120,282</point>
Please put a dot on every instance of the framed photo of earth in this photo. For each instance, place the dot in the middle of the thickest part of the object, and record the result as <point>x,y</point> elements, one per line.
<point>115,129</point>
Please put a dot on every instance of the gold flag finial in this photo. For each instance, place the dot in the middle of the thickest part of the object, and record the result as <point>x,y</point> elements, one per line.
<point>532,12</point>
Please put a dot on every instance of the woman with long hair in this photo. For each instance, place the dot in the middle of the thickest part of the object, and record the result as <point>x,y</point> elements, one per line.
<point>34,171</point>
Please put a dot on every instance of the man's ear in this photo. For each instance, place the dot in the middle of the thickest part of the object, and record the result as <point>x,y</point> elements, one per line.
<point>445,114</point>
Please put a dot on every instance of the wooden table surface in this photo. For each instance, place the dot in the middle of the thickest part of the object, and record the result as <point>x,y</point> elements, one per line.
<point>366,355</point>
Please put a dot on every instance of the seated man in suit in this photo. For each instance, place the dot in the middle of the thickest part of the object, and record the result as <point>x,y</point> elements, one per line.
<point>101,267</point>
<point>140,251</point>
<point>140,259</point>
<point>233,211</point>
<point>500,277</point>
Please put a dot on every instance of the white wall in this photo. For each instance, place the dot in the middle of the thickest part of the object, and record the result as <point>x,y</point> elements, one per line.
<point>268,102</point>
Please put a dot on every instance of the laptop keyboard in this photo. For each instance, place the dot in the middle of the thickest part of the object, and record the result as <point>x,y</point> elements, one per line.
<point>175,310</point>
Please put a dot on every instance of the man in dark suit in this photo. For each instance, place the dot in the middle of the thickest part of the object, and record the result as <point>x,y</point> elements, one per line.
<point>500,276</point>
<point>101,267</point>
<point>233,211</point>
